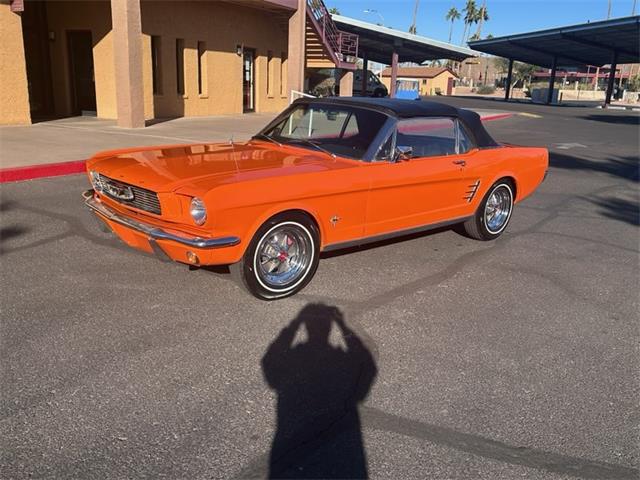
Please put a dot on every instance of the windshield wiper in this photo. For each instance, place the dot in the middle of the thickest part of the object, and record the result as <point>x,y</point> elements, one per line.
<point>266,137</point>
<point>309,142</point>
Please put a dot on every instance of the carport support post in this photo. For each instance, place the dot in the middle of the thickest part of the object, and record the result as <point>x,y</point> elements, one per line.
<point>346,83</point>
<point>507,87</point>
<point>394,74</point>
<point>552,80</point>
<point>365,73</point>
<point>612,79</point>
<point>127,56</point>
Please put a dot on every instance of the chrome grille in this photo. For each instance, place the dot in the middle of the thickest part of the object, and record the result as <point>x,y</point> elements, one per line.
<point>143,199</point>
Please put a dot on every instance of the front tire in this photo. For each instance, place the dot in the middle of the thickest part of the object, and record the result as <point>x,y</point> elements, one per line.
<point>282,257</point>
<point>493,214</point>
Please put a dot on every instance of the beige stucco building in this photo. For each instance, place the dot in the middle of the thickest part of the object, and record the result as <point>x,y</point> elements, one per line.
<point>135,60</point>
<point>431,80</point>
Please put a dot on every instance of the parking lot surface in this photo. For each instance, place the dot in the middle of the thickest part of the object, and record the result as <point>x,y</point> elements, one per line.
<point>516,358</point>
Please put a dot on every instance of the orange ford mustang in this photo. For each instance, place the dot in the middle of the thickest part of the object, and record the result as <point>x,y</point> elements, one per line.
<point>325,174</point>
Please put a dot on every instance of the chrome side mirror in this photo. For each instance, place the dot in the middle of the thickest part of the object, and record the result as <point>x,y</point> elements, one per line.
<point>403,153</point>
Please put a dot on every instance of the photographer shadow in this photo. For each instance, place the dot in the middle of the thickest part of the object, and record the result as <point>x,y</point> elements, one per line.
<point>319,387</point>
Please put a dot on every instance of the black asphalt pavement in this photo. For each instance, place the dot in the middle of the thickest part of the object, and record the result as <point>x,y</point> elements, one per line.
<point>432,357</point>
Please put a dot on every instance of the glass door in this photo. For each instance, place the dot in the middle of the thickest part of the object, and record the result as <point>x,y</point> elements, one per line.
<point>248,96</point>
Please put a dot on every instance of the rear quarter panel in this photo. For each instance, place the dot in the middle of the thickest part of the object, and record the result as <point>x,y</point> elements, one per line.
<point>527,166</point>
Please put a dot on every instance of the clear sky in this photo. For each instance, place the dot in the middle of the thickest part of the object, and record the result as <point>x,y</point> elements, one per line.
<point>506,16</point>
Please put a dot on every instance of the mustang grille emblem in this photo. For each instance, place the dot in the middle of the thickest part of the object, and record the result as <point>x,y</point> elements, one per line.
<point>117,190</point>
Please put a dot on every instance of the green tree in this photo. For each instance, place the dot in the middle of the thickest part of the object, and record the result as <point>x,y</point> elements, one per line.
<point>521,71</point>
<point>634,83</point>
<point>452,15</point>
<point>469,16</point>
<point>334,11</point>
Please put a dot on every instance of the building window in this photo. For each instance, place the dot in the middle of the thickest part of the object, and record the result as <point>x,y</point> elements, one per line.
<point>283,74</point>
<point>202,68</point>
<point>270,72</point>
<point>156,66</point>
<point>424,81</point>
<point>180,66</point>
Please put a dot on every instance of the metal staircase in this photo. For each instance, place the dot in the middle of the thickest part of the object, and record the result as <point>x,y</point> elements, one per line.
<point>325,44</point>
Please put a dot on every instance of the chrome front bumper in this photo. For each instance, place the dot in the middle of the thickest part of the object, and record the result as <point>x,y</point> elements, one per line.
<point>152,232</point>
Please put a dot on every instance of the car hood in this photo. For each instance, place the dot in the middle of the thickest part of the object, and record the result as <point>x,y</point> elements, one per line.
<point>200,167</point>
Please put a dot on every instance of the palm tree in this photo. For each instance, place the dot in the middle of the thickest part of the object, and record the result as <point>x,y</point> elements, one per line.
<point>469,16</point>
<point>452,15</point>
<point>481,17</point>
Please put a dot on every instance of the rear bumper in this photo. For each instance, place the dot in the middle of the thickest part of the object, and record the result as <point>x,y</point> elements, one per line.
<point>173,244</point>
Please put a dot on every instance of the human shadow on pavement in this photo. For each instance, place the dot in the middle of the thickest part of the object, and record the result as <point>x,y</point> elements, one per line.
<point>319,387</point>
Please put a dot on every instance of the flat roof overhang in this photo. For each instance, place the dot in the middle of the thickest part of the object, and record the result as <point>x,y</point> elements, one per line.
<point>576,45</point>
<point>379,43</point>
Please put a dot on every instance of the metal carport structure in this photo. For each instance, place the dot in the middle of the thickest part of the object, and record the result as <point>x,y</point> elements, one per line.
<point>611,42</point>
<point>388,46</point>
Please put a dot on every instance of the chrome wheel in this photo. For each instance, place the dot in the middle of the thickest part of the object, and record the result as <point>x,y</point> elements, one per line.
<point>498,208</point>
<point>283,256</point>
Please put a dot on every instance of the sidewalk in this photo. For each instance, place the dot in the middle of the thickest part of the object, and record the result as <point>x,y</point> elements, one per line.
<point>60,147</point>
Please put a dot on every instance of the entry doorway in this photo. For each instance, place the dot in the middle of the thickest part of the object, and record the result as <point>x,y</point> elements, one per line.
<point>37,59</point>
<point>248,80</point>
<point>82,80</point>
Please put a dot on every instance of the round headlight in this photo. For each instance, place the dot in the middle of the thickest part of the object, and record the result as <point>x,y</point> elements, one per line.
<point>95,181</point>
<point>198,211</point>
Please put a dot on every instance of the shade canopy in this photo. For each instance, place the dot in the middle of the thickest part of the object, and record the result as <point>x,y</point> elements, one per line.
<point>378,43</point>
<point>576,45</point>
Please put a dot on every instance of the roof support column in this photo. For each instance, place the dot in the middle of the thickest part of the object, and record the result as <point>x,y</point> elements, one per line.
<point>612,79</point>
<point>507,87</point>
<point>365,73</point>
<point>552,80</point>
<point>127,55</point>
<point>394,74</point>
<point>296,55</point>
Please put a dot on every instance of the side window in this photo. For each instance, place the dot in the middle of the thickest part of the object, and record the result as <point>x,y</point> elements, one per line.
<point>428,136</point>
<point>464,139</point>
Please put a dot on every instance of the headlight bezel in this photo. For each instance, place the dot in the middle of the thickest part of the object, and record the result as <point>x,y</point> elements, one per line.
<point>94,177</point>
<point>198,211</point>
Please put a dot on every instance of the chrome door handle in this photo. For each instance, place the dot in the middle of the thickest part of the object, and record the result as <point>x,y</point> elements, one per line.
<point>460,162</point>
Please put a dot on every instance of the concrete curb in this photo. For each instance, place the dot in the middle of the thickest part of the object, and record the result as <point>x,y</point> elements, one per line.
<point>31,172</point>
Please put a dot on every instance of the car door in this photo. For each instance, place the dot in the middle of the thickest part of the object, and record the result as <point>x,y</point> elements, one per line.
<point>428,188</point>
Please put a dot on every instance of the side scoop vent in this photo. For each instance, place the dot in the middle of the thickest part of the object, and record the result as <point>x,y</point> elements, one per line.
<point>471,191</point>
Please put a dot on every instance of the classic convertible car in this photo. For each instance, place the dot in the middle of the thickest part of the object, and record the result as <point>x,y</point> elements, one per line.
<point>324,175</point>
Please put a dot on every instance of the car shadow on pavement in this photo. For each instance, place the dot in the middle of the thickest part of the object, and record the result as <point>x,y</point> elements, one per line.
<point>318,387</point>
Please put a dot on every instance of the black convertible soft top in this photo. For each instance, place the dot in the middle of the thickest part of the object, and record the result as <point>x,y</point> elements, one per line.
<point>414,108</point>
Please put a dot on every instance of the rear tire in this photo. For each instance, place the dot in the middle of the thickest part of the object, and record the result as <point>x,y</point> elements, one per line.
<point>281,258</point>
<point>493,214</point>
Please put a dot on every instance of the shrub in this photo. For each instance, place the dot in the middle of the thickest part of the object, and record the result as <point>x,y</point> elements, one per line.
<point>486,90</point>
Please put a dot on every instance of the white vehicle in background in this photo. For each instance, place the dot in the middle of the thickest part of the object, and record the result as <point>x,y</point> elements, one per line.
<point>375,88</point>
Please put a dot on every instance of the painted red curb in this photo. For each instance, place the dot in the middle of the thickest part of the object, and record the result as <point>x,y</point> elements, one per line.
<point>497,116</point>
<point>16,174</point>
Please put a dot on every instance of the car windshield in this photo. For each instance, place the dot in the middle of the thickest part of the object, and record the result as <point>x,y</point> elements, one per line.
<point>338,130</point>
